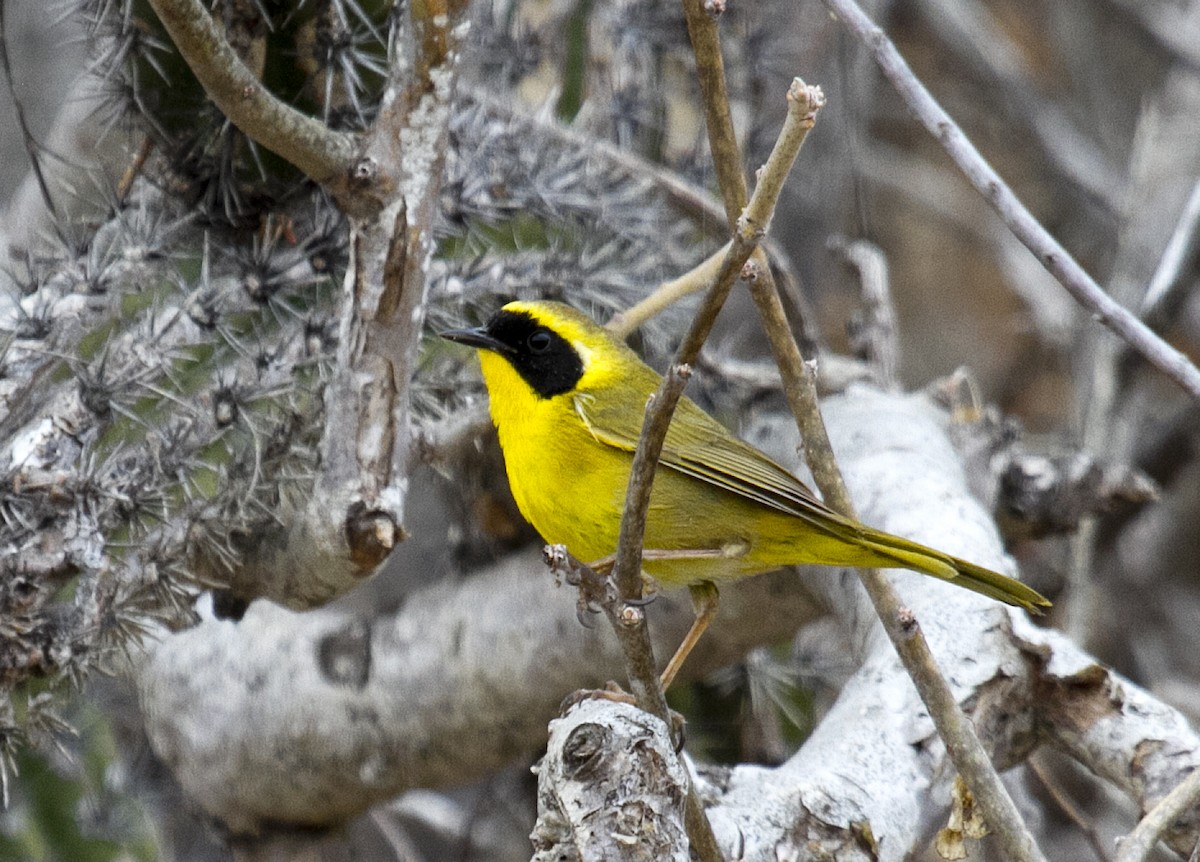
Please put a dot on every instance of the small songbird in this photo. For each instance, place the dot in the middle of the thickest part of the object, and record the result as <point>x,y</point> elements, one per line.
<point>568,403</point>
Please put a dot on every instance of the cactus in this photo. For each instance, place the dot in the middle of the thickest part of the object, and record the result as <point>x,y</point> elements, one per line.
<point>165,366</point>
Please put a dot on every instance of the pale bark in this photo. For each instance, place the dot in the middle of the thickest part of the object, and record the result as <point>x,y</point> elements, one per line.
<point>873,780</point>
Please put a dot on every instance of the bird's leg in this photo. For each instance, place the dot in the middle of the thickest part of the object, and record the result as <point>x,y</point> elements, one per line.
<point>604,565</point>
<point>705,600</point>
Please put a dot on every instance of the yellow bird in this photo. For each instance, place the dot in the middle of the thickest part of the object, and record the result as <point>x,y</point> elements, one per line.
<point>568,403</point>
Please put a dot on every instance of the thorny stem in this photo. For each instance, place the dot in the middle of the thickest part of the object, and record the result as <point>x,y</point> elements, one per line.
<point>799,385</point>
<point>1056,259</point>
<point>322,153</point>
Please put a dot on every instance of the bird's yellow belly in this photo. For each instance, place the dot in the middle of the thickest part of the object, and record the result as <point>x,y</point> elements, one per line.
<point>567,485</point>
<point>571,488</point>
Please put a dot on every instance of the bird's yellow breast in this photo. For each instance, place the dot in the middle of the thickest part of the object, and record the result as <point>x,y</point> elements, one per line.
<point>571,487</point>
<point>567,485</point>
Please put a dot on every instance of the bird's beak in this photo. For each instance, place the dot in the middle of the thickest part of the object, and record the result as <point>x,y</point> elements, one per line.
<point>477,337</point>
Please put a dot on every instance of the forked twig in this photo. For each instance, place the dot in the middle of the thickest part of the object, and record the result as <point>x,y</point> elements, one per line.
<point>799,385</point>
<point>803,103</point>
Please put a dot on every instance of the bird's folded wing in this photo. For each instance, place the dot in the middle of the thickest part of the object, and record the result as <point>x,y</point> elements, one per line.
<point>699,446</point>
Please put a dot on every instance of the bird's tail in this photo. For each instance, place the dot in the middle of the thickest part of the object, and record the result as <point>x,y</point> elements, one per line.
<point>918,558</point>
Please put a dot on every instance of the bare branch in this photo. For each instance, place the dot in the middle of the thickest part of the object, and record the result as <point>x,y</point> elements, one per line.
<point>624,323</point>
<point>1139,844</point>
<point>803,103</point>
<point>610,788</point>
<point>460,681</point>
<point>800,388</point>
<point>307,143</point>
<point>1162,161</point>
<point>722,140</point>
<point>1117,730</point>
<point>974,34</point>
<point>643,676</point>
<point>1048,250</point>
<point>1014,685</point>
<point>353,520</point>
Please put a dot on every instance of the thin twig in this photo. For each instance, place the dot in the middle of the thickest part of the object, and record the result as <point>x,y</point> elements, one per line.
<point>666,294</point>
<point>629,622</point>
<point>691,200</point>
<point>722,141</point>
<point>32,149</point>
<point>322,153</point>
<point>1068,807</point>
<point>1175,264</point>
<point>631,628</point>
<point>1104,425</point>
<point>799,384</point>
<point>803,103</point>
<point>131,172</point>
<point>628,565</point>
<point>1138,844</point>
<point>974,33</point>
<point>1019,220</point>
<point>955,729</point>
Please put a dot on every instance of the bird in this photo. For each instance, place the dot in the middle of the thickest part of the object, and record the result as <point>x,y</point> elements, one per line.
<point>568,400</point>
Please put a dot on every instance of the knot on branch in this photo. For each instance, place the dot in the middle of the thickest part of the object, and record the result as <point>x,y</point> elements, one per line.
<point>371,534</point>
<point>583,750</point>
<point>364,172</point>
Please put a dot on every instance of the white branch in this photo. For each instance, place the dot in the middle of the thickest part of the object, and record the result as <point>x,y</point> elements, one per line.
<point>611,788</point>
<point>310,718</point>
<point>873,780</point>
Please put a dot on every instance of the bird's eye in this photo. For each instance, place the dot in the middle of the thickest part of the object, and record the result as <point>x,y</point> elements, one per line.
<point>538,341</point>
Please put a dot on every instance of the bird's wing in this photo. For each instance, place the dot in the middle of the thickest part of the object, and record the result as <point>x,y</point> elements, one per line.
<point>699,446</point>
